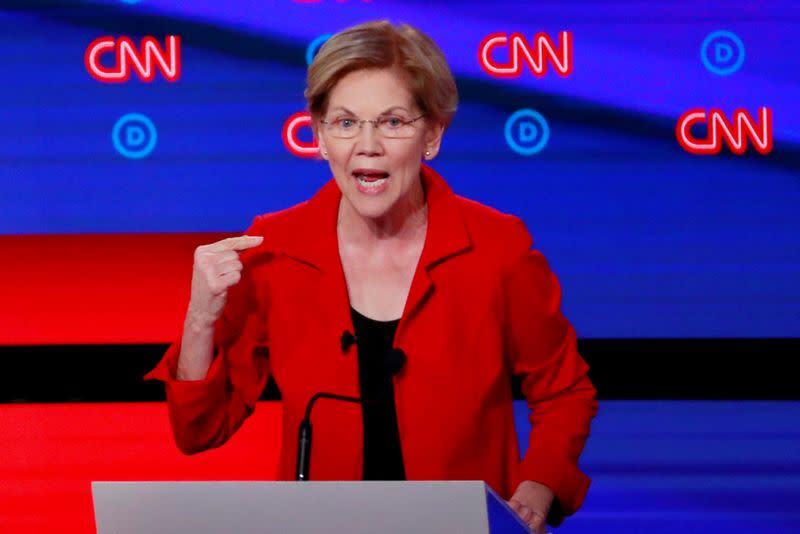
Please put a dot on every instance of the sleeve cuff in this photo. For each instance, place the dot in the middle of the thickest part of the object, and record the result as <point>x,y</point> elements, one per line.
<point>189,398</point>
<point>568,483</point>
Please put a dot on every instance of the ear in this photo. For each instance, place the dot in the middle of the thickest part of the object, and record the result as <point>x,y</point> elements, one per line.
<point>323,149</point>
<point>433,140</point>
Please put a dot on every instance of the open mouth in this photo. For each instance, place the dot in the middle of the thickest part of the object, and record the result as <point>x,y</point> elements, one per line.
<point>370,180</point>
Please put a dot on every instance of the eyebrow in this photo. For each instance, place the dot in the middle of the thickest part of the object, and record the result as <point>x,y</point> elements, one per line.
<point>384,112</point>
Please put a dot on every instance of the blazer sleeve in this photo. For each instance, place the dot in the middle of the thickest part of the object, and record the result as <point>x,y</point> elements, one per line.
<point>205,413</point>
<point>543,351</point>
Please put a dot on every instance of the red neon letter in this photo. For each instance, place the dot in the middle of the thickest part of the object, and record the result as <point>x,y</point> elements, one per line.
<point>91,58</point>
<point>290,140</point>
<point>683,132</point>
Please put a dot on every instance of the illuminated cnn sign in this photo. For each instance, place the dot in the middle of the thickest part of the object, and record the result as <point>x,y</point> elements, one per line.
<point>734,133</point>
<point>535,55</point>
<point>144,60</point>
<point>292,141</point>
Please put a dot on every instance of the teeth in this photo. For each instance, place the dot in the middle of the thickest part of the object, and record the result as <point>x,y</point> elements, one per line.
<point>372,184</point>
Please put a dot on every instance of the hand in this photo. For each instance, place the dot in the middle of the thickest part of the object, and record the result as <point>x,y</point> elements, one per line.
<point>216,268</point>
<point>532,503</point>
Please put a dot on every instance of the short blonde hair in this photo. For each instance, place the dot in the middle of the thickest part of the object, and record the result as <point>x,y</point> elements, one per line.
<point>378,45</point>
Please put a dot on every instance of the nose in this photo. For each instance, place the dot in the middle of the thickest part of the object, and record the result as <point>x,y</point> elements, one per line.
<point>368,141</point>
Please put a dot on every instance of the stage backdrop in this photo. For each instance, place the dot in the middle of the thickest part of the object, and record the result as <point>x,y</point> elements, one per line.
<point>653,150</point>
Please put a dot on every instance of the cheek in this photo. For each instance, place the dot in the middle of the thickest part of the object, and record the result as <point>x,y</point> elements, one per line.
<point>408,154</point>
<point>408,167</point>
<point>338,157</point>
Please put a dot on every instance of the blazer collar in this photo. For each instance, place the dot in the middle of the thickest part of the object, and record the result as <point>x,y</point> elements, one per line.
<point>314,240</point>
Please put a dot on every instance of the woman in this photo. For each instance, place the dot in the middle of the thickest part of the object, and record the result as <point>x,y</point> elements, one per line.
<point>385,259</point>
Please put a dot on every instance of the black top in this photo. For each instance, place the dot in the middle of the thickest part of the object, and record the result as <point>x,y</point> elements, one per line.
<point>383,459</point>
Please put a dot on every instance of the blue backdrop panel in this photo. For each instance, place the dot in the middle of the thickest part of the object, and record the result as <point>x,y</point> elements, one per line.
<point>659,467</point>
<point>648,240</point>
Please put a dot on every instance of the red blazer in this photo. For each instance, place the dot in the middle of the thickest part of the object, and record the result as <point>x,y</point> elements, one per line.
<point>482,306</point>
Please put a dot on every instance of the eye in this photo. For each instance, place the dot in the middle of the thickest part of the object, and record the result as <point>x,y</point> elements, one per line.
<point>345,123</point>
<point>393,121</point>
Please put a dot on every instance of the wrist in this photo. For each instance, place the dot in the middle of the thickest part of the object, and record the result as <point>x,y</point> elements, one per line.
<point>199,322</point>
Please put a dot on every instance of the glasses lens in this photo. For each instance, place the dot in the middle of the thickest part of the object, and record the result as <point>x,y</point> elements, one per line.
<point>342,127</point>
<point>395,126</point>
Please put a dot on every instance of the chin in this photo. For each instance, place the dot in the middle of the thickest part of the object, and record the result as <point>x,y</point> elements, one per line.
<point>370,208</point>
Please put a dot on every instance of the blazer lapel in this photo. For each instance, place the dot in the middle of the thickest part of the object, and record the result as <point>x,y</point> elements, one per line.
<point>315,243</point>
<point>446,237</point>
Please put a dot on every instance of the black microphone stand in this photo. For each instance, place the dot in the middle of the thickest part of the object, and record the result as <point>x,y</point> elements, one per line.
<point>304,434</point>
<point>394,362</point>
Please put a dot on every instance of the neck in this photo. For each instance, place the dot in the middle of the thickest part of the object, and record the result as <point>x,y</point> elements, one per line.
<point>404,221</point>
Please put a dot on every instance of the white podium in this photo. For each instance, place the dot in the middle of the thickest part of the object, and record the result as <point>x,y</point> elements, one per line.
<point>463,507</point>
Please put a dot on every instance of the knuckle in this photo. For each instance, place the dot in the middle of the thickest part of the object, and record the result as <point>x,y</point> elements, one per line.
<point>220,288</point>
<point>204,257</point>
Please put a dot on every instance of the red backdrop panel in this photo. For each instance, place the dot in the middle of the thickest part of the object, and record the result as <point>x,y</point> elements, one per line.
<point>95,289</point>
<point>49,454</point>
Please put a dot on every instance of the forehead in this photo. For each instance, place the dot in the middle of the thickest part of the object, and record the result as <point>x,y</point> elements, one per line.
<point>371,91</point>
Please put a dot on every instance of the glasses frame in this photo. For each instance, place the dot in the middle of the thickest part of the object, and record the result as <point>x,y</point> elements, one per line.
<point>374,123</point>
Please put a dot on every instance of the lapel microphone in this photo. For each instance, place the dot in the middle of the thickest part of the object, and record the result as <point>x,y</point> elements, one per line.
<point>347,339</point>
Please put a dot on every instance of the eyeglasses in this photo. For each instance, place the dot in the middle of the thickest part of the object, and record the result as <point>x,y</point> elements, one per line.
<point>391,126</point>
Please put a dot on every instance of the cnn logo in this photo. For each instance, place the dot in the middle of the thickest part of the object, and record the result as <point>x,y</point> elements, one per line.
<point>536,55</point>
<point>143,60</point>
<point>734,133</point>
